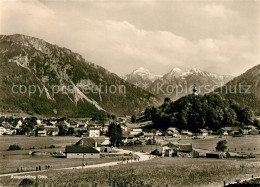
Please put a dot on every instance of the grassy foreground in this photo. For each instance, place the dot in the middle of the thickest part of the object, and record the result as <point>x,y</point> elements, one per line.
<point>157,172</point>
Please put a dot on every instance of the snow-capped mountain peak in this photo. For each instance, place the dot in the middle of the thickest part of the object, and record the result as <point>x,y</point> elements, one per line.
<point>140,75</point>
<point>141,70</point>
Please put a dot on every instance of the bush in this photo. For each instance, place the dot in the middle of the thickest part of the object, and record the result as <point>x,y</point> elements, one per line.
<point>221,145</point>
<point>52,146</point>
<point>14,147</point>
<point>26,182</point>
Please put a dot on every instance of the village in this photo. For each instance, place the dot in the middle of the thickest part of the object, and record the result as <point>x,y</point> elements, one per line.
<point>95,141</point>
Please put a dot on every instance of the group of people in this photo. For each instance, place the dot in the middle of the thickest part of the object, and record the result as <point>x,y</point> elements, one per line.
<point>38,168</point>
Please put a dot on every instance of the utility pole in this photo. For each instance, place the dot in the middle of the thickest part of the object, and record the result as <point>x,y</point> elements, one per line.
<point>83,160</point>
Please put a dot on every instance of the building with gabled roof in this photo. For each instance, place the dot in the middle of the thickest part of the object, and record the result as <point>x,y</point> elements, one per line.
<point>75,151</point>
<point>86,142</point>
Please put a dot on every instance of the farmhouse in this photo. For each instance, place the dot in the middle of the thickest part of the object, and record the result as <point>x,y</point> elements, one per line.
<point>42,133</point>
<point>2,130</point>
<point>215,155</point>
<point>86,142</point>
<point>148,135</point>
<point>204,132</point>
<point>177,149</point>
<point>7,128</point>
<point>135,131</point>
<point>186,132</point>
<point>80,152</point>
<point>51,130</point>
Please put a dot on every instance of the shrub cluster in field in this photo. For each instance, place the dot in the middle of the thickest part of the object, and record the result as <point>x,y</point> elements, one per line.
<point>14,147</point>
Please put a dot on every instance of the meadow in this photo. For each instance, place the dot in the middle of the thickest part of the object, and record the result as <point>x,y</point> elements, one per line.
<point>156,172</point>
<point>245,144</point>
<point>11,160</point>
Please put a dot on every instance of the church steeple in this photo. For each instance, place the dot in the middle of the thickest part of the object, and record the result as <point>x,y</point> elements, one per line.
<point>194,89</point>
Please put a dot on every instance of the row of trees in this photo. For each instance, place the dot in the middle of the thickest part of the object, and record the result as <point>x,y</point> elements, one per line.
<point>194,112</point>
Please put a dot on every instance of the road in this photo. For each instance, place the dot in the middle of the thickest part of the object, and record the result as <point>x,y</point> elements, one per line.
<point>142,157</point>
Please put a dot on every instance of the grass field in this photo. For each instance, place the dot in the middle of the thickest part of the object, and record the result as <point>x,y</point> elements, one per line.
<point>11,160</point>
<point>158,172</point>
<point>247,144</point>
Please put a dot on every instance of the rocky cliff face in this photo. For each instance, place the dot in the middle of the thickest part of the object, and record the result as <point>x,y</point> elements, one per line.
<point>42,78</point>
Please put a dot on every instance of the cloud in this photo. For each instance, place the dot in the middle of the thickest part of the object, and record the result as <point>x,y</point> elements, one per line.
<point>218,11</point>
<point>120,46</point>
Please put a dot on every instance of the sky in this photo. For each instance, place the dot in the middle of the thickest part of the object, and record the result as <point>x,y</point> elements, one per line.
<point>122,35</point>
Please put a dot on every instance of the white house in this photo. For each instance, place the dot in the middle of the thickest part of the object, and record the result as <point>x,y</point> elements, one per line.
<point>135,131</point>
<point>123,126</point>
<point>9,129</point>
<point>186,132</point>
<point>19,124</point>
<point>42,133</point>
<point>93,132</point>
<point>2,130</point>
<point>148,135</point>
<point>204,132</point>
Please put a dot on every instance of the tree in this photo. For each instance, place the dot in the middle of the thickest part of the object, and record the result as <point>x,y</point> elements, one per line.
<point>115,134</point>
<point>62,130</point>
<point>230,117</point>
<point>71,131</point>
<point>167,100</point>
<point>26,182</point>
<point>247,116</point>
<point>133,118</point>
<point>256,123</point>
<point>14,147</point>
<point>221,145</point>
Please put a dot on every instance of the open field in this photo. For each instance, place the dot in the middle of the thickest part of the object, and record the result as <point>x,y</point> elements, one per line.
<point>210,142</point>
<point>158,172</point>
<point>11,160</point>
<point>26,142</point>
<point>241,144</point>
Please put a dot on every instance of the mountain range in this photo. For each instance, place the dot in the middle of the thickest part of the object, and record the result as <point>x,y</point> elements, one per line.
<point>244,89</point>
<point>37,77</point>
<point>178,82</point>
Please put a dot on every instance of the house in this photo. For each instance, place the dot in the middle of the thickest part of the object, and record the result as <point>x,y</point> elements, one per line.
<point>42,133</point>
<point>204,132</point>
<point>74,151</point>
<point>167,151</point>
<point>181,149</point>
<point>86,142</point>
<point>123,126</point>
<point>250,129</point>
<point>215,155</point>
<point>148,135</point>
<point>19,124</point>
<point>93,132</point>
<point>106,142</point>
<point>173,130</point>
<point>186,132</point>
<point>135,131</point>
<point>233,130</point>
<point>51,130</point>
<point>2,130</point>
<point>9,129</point>
<point>158,133</point>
